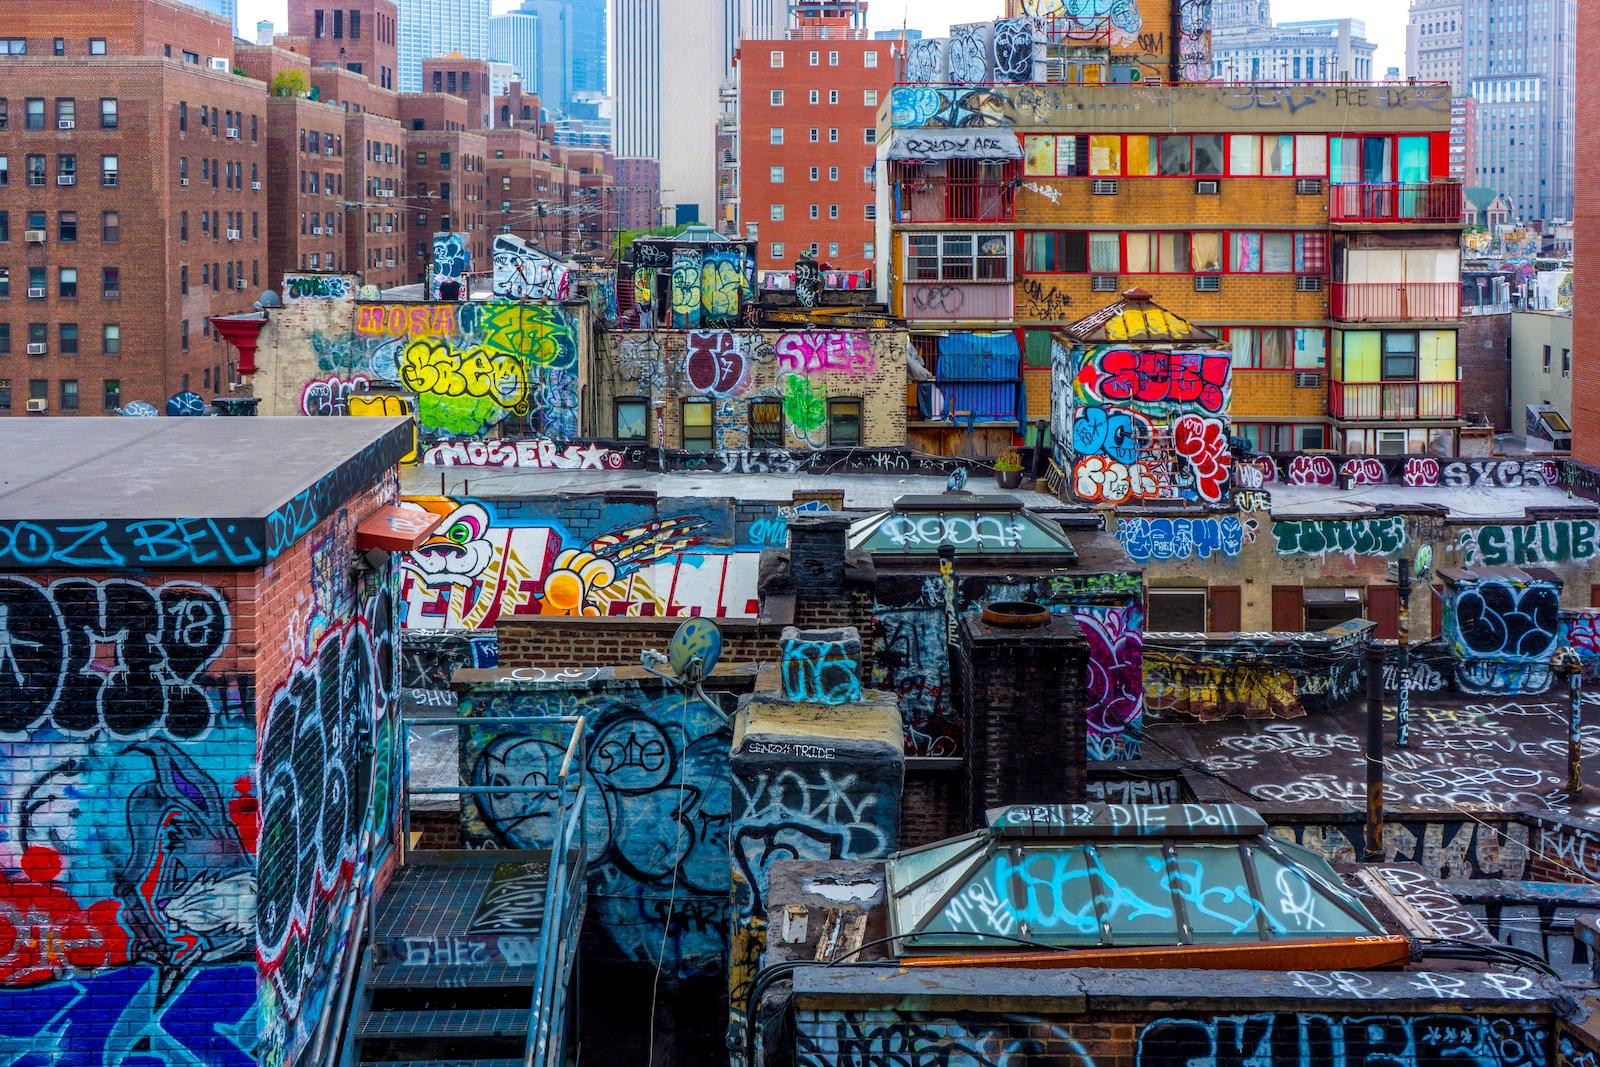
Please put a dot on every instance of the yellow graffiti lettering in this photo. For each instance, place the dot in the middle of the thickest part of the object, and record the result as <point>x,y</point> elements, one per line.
<point>431,367</point>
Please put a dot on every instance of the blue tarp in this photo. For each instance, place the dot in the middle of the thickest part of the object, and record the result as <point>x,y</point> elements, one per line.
<point>979,376</point>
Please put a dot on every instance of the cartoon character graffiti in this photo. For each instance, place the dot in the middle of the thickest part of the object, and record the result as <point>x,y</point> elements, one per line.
<point>452,259</point>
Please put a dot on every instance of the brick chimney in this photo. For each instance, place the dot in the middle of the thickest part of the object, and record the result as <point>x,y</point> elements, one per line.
<point>816,555</point>
<point>1021,682</point>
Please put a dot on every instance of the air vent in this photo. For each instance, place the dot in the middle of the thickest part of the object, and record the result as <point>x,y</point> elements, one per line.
<point>1304,379</point>
<point>1207,283</point>
<point>1207,188</point>
<point>1103,283</point>
<point>111,294</point>
<point>66,124</point>
<point>1308,186</point>
<point>1104,187</point>
<point>38,348</point>
<point>1308,283</point>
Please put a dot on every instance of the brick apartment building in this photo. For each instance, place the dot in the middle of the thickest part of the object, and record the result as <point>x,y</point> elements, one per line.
<point>803,157</point>
<point>463,76</point>
<point>445,178</point>
<point>637,192</point>
<point>1586,239</point>
<point>374,175</point>
<point>129,207</point>
<point>359,37</point>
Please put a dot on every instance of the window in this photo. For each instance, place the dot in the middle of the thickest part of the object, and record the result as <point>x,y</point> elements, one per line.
<point>833,96</point>
<point>869,135</point>
<point>777,250</point>
<point>816,135</point>
<point>1330,607</point>
<point>816,172</point>
<point>765,418</point>
<point>97,46</point>
<point>632,415</point>
<point>1400,356</point>
<point>110,283</point>
<point>5,282</point>
<point>183,280</point>
<point>36,113</point>
<point>869,59</point>
<point>775,134</point>
<point>815,96</point>
<point>110,227</point>
<point>38,333</point>
<point>1547,359</point>
<point>67,226</point>
<point>69,282</point>
<point>776,212</point>
<point>1157,253</point>
<point>871,212</point>
<point>69,394</point>
<point>108,170</point>
<point>833,211</point>
<point>183,225</point>
<point>112,399</point>
<point>38,389</point>
<point>697,429</point>
<point>833,174</point>
<point>111,339</point>
<point>108,113</point>
<point>13,46</point>
<point>844,423</point>
<point>66,170</point>
<point>869,97</point>
<point>816,211</point>
<point>1566,362</point>
<point>833,59</point>
<point>35,170</point>
<point>958,256</point>
<point>5,110</point>
<point>183,120</point>
<point>5,394</point>
<point>66,112</point>
<point>777,98</point>
<point>816,59</point>
<point>777,175</point>
<point>5,171</point>
<point>1175,610</point>
<point>69,338</point>
<point>1062,252</point>
<point>833,135</point>
<point>775,58</point>
<point>5,338</point>
<point>183,335</point>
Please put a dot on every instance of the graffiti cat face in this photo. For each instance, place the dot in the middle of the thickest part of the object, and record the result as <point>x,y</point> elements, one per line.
<point>458,553</point>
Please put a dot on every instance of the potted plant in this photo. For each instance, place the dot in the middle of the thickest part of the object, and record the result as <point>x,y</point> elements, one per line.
<point>1008,470</point>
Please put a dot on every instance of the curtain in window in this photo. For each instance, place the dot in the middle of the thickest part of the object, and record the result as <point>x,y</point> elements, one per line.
<point>1277,155</point>
<point>1244,252</point>
<point>1376,164</point>
<point>1205,252</point>
<point>1277,253</point>
<point>1104,253</point>
<point>1311,155</point>
<point>1139,253</point>
<point>1244,154</point>
<point>1413,159</point>
<point>1244,346</point>
<point>1275,349</point>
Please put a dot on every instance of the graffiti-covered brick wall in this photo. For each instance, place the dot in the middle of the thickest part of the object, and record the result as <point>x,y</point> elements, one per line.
<point>766,389</point>
<point>189,804</point>
<point>473,369</point>
<point>327,662</point>
<point>657,816</point>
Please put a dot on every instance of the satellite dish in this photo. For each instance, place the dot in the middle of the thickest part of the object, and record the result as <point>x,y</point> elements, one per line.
<point>186,403</point>
<point>697,639</point>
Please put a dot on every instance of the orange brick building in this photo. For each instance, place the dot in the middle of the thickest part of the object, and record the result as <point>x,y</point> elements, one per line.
<point>1586,283</point>
<point>807,126</point>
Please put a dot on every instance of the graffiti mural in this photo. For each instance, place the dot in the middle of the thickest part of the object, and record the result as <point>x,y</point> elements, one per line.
<point>537,454</point>
<point>1502,633</point>
<point>1147,539</point>
<point>1013,50</point>
<point>722,286</point>
<point>479,568</point>
<point>1251,676</point>
<point>298,287</point>
<point>1142,423</point>
<point>659,806</point>
<point>452,261</point>
<point>687,275</point>
<point>969,53</point>
<point>1529,544</point>
<point>1113,690</point>
<point>1384,536</point>
<point>839,1039</point>
<point>1290,1039</point>
<point>522,272</point>
<point>1194,44</point>
<point>925,60</point>
<point>318,859</point>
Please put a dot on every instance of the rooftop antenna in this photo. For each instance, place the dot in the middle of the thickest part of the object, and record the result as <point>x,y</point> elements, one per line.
<point>691,656</point>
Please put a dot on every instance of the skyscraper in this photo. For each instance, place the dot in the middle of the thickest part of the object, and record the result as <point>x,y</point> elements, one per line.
<point>1246,46</point>
<point>558,46</point>
<point>228,9</point>
<point>670,59</point>
<point>435,27</point>
<point>515,40</point>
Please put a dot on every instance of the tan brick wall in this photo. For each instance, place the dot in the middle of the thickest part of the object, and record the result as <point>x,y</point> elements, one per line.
<point>1146,202</point>
<point>1272,396</point>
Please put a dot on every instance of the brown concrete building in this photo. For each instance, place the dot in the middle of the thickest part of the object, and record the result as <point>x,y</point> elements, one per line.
<point>445,177</point>
<point>358,36</point>
<point>637,192</point>
<point>462,76</point>
<point>131,203</point>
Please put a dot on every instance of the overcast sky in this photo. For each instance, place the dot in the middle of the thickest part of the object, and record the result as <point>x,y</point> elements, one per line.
<point>1385,19</point>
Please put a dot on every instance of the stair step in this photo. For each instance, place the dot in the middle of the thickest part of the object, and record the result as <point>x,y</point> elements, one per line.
<point>497,1022</point>
<point>450,976</point>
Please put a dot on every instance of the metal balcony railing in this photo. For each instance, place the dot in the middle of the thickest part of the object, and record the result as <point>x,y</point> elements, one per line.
<point>954,300</point>
<point>1395,202</point>
<point>1392,400</point>
<point>1368,301</point>
<point>943,200</point>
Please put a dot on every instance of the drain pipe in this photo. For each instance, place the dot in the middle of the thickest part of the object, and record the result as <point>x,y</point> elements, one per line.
<point>1374,850</point>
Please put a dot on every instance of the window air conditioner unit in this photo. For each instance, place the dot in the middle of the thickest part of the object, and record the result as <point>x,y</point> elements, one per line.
<point>1207,283</point>
<point>328,151</point>
<point>1307,379</point>
<point>34,237</point>
<point>35,292</point>
<point>233,235</point>
<point>65,124</point>
<point>1103,283</point>
<point>1308,186</point>
<point>316,231</point>
<point>255,187</point>
<point>1308,283</point>
<point>37,348</point>
<point>1207,187</point>
<point>219,63</point>
<point>1103,187</point>
<point>233,133</point>
<point>38,405</point>
<point>111,294</point>
<point>183,182</point>
<point>239,284</point>
<point>66,179</point>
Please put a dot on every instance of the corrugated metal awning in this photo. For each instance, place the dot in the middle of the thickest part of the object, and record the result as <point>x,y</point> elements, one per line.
<point>929,145</point>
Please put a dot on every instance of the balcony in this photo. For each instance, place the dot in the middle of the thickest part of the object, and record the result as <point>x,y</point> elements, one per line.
<point>1394,301</point>
<point>1392,401</point>
<point>948,301</point>
<point>938,200</point>
<point>1395,202</point>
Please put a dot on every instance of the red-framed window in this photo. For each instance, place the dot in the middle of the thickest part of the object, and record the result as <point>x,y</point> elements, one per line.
<point>1174,252</point>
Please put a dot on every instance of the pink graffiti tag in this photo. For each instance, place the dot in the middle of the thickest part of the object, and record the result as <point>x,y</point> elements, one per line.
<point>1364,471</point>
<point>1421,471</point>
<point>821,352</point>
<point>1311,470</point>
<point>716,363</point>
<point>1204,443</point>
<point>401,320</point>
<point>1152,377</point>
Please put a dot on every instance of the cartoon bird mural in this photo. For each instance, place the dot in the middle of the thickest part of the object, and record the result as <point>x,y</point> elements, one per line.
<point>588,581</point>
